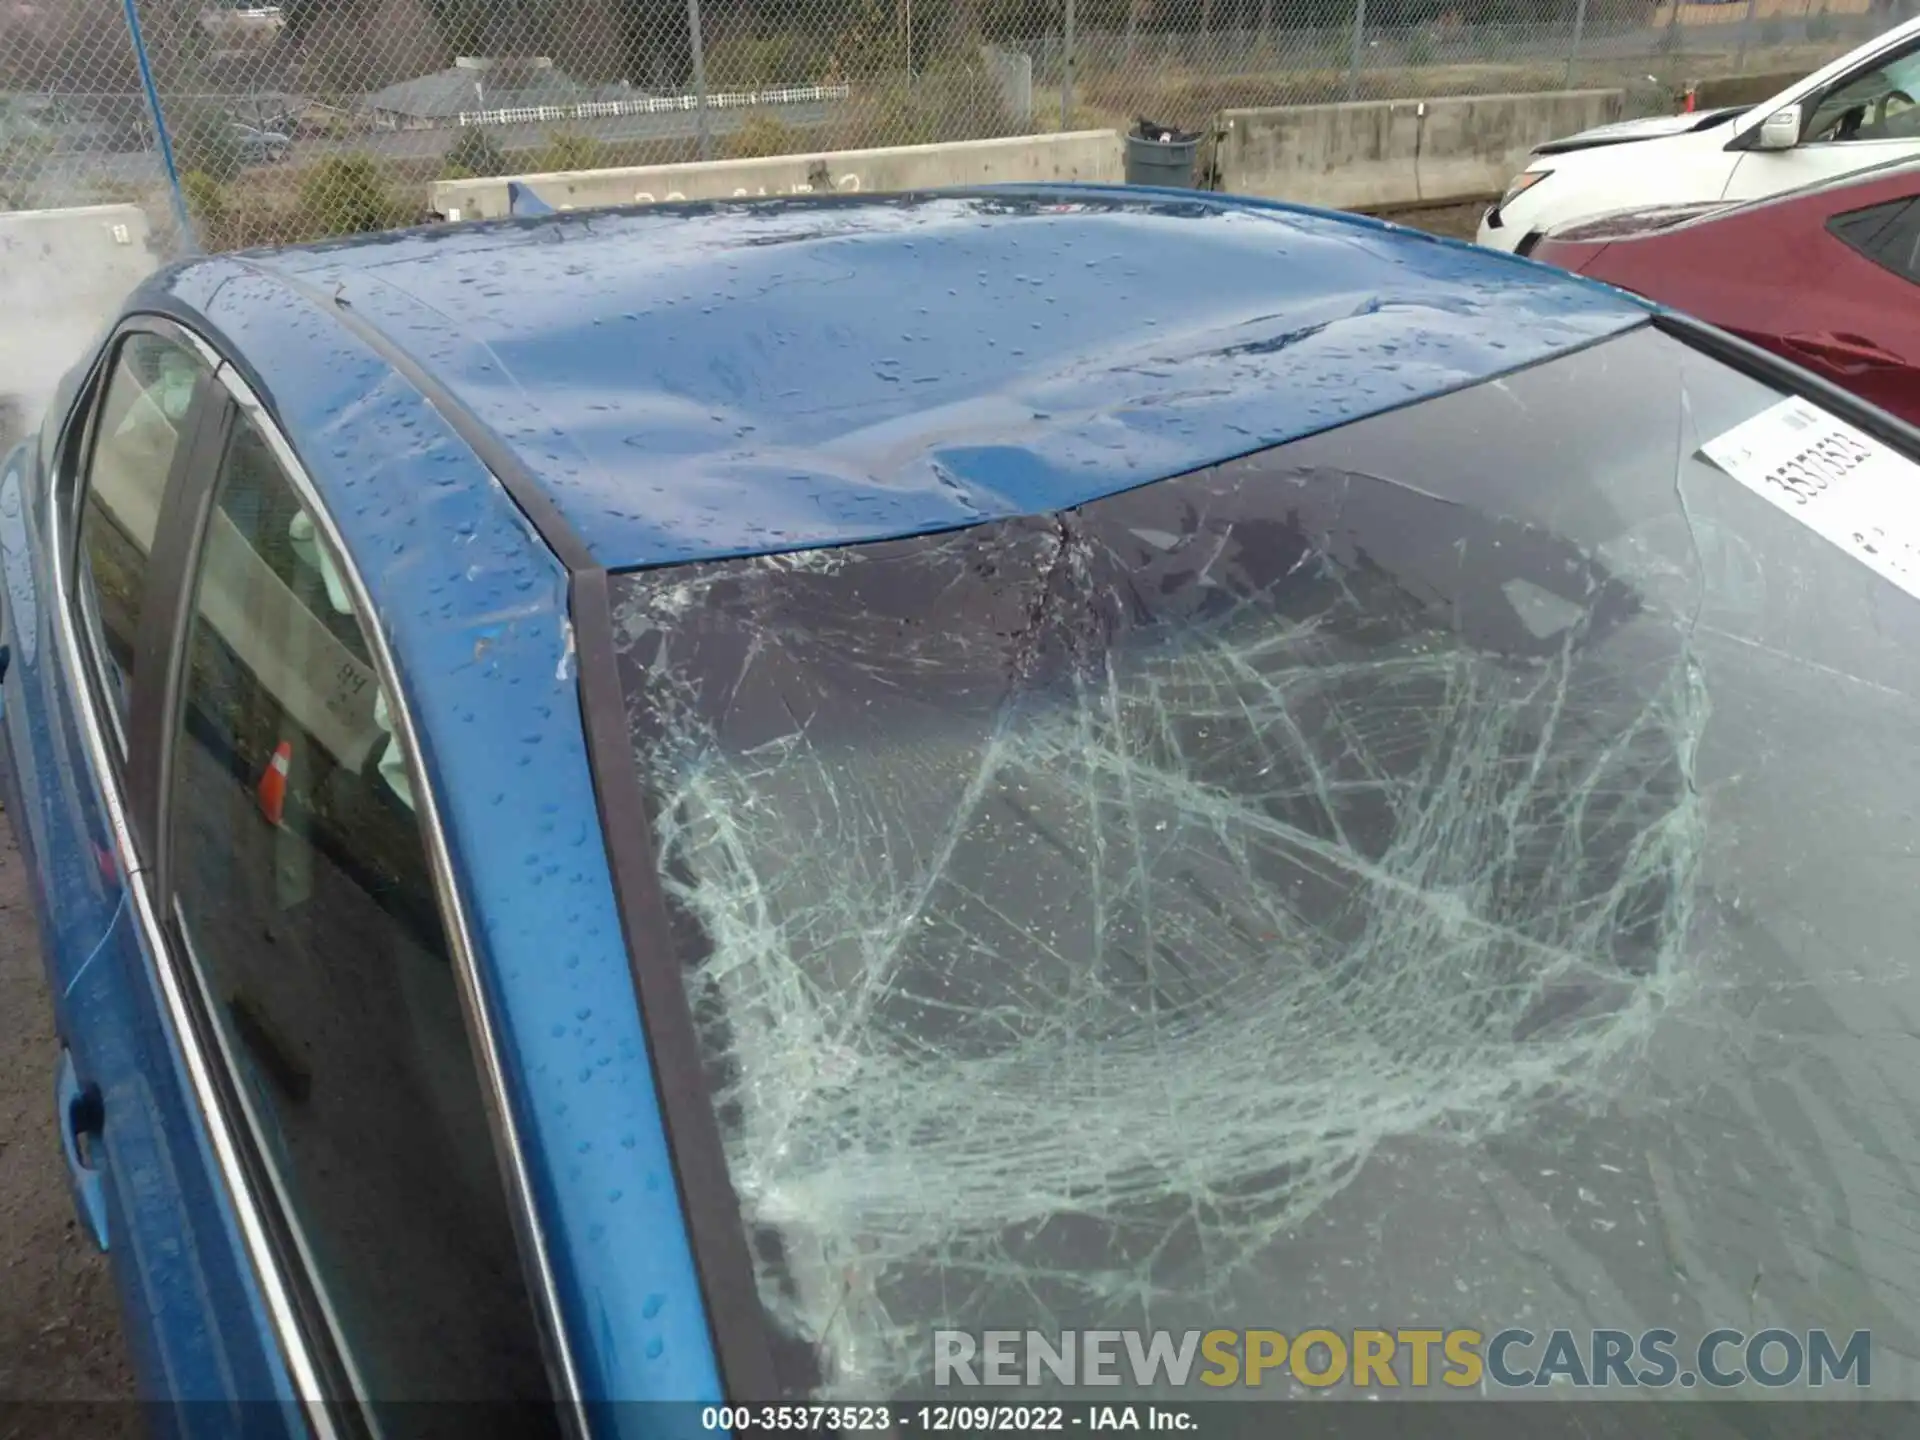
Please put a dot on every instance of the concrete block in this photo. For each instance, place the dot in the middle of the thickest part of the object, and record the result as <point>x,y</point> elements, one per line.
<point>1397,152</point>
<point>1089,156</point>
<point>63,277</point>
<point>1742,89</point>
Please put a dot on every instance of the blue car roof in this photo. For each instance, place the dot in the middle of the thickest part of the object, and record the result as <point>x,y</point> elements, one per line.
<point>697,382</point>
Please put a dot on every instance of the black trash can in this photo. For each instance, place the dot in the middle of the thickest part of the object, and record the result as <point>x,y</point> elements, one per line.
<point>1160,155</point>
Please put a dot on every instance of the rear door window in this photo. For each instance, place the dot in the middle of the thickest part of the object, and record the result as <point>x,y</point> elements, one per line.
<point>305,900</point>
<point>1888,235</point>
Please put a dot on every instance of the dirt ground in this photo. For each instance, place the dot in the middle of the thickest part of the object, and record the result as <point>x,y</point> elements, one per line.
<point>1459,221</point>
<point>59,1315</point>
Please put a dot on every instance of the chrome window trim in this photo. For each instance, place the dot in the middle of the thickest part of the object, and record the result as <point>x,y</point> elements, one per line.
<point>243,1096</point>
<point>63,539</point>
<point>480,1025</point>
<point>281,1311</point>
<point>97,658</point>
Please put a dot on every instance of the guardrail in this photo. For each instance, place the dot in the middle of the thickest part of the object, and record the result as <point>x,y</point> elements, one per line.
<point>656,105</point>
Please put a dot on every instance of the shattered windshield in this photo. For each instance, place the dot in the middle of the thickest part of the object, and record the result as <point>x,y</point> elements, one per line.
<point>1456,869</point>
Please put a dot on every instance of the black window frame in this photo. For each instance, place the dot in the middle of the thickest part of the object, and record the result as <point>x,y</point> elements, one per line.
<point>134,751</point>
<point>1898,227</point>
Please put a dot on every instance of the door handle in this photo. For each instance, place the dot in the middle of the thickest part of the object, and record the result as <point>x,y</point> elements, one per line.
<point>1842,353</point>
<point>82,1122</point>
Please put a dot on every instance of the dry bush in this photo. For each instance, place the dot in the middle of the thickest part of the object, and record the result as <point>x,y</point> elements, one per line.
<point>765,62</point>
<point>950,103</point>
<point>568,150</point>
<point>761,135</point>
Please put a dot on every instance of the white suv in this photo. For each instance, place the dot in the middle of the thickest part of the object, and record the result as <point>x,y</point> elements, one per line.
<point>1857,112</point>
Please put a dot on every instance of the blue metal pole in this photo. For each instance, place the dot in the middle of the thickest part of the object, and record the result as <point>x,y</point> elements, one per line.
<point>180,211</point>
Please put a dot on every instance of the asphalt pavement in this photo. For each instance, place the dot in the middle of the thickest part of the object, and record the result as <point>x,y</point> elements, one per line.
<point>59,1315</point>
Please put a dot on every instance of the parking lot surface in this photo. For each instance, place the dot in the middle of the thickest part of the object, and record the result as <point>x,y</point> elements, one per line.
<point>59,1317</point>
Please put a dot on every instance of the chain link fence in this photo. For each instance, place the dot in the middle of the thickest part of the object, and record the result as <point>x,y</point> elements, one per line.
<point>247,124</point>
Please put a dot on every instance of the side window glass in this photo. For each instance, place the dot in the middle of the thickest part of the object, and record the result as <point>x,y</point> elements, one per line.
<point>1888,235</point>
<point>1877,104</point>
<point>138,429</point>
<point>303,894</point>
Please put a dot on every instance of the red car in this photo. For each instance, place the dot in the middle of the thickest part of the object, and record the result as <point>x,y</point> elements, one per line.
<point>1827,276</point>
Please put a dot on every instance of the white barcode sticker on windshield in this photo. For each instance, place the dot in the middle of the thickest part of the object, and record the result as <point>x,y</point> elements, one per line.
<point>1838,481</point>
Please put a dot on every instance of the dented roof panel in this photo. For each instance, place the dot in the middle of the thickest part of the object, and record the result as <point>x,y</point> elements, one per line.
<point>696,382</point>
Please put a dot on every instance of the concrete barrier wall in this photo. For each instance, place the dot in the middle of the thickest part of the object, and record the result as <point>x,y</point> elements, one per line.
<point>1091,155</point>
<point>1743,89</point>
<point>63,275</point>
<point>1398,152</point>
<point>1724,14</point>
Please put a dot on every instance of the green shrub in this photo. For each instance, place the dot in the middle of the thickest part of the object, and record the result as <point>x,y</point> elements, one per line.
<point>348,195</point>
<point>948,100</point>
<point>204,141</point>
<point>1821,26</point>
<point>868,42</point>
<point>475,154</point>
<point>764,62</point>
<point>1769,32</point>
<point>1483,40</point>
<point>206,205</point>
<point>567,150</point>
<point>1419,48</point>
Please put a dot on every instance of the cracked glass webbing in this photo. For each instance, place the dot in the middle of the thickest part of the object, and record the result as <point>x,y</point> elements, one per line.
<point>1073,907</point>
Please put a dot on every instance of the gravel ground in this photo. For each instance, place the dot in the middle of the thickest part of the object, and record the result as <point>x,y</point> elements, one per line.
<point>59,1315</point>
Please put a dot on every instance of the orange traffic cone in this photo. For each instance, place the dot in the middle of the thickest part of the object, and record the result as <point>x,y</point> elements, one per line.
<point>273,784</point>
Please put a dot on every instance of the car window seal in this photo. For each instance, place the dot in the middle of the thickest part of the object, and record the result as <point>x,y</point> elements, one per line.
<point>1770,369</point>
